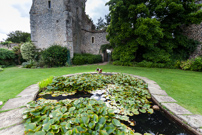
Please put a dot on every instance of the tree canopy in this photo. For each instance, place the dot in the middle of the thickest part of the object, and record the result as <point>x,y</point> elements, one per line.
<point>151,30</point>
<point>18,37</point>
<point>103,23</point>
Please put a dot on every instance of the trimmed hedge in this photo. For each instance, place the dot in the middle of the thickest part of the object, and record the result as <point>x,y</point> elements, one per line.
<point>81,59</point>
<point>6,57</point>
<point>55,55</point>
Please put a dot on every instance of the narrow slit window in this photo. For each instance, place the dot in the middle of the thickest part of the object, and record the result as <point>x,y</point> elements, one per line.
<point>49,4</point>
<point>93,39</point>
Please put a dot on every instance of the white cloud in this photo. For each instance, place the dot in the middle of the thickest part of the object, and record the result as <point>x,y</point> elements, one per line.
<point>96,9</point>
<point>14,14</point>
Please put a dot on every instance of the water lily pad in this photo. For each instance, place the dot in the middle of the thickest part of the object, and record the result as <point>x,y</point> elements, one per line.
<point>40,133</point>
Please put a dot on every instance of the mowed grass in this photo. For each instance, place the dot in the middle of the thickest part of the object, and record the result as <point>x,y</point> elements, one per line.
<point>183,86</point>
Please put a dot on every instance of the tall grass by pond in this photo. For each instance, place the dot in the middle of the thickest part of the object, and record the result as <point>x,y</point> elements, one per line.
<point>183,86</point>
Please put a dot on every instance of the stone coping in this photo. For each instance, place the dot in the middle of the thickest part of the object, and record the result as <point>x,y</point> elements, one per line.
<point>13,119</point>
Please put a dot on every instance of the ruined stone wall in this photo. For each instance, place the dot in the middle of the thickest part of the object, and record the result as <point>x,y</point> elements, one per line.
<point>49,24</point>
<point>77,9</point>
<point>63,22</point>
<point>99,39</point>
<point>194,31</point>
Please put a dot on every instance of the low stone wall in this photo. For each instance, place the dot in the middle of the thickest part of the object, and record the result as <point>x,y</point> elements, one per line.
<point>9,46</point>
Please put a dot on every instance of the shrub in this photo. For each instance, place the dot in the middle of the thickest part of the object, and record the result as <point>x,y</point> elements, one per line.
<point>28,51</point>
<point>1,69</point>
<point>117,63</point>
<point>144,64</point>
<point>186,65</point>
<point>55,55</point>
<point>81,59</point>
<point>6,57</point>
<point>40,62</point>
<point>196,64</point>
<point>29,64</point>
<point>177,64</point>
<point>45,82</point>
<point>150,64</point>
<point>18,55</point>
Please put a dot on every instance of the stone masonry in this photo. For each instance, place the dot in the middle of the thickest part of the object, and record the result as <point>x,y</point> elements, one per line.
<point>194,31</point>
<point>63,22</point>
<point>93,41</point>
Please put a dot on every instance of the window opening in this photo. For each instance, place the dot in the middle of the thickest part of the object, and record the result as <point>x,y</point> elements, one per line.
<point>93,39</point>
<point>49,4</point>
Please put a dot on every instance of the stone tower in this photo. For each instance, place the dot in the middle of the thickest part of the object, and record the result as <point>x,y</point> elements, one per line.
<point>62,22</point>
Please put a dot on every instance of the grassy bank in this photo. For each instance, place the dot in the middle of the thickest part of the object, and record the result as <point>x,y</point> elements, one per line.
<point>183,86</point>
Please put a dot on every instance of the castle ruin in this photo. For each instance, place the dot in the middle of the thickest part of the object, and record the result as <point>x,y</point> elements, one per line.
<point>65,23</point>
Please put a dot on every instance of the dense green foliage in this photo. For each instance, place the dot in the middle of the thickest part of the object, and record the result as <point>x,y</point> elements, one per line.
<point>70,117</point>
<point>45,83</point>
<point>100,24</point>
<point>28,51</point>
<point>18,37</point>
<point>55,55</point>
<point>192,64</point>
<point>151,30</point>
<point>104,47</point>
<point>29,64</point>
<point>81,59</point>
<point>18,55</point>
<point>6,57</point>
<point>1,69</point>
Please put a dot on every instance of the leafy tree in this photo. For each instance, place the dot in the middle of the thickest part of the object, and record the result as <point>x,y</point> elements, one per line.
<point>18,37</point>
<point>103,23</point>
<point>151,29</point>
<point>107,19</point>
<point>100,24</point>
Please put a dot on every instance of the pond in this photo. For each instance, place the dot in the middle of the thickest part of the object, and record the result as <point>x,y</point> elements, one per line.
<point>97,104</point>
<point>155,124</point>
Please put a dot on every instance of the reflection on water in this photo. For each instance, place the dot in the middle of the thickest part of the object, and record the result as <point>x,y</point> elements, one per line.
<point>156,124</point>
<point>77,95</point>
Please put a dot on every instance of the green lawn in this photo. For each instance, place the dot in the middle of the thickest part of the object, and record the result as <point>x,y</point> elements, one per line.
<point>183,86</point>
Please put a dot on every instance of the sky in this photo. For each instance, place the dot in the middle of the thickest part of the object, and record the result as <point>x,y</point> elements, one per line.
<point>14,14</point>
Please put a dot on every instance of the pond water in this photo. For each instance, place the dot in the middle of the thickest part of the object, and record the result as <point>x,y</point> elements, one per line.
<point>155,124</point>
<point>77,95</point>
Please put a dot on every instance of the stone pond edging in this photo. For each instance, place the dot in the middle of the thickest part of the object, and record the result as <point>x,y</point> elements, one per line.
<point>11,121</point>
